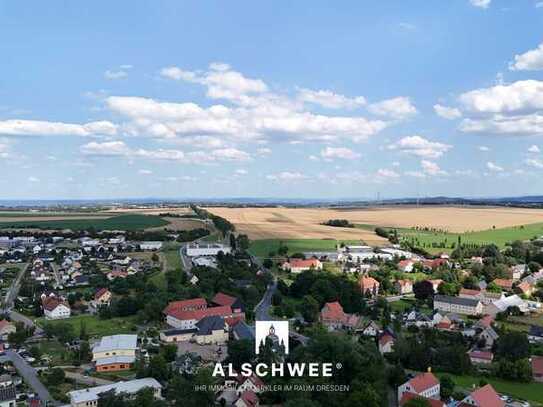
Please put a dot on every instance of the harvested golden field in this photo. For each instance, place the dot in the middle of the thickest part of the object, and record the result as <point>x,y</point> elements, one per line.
<point>269,223</point>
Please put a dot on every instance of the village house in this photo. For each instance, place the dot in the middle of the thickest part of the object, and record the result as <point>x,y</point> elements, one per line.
<point>483,397</point>
<point>386,343</point>
<point>247,399</point>
<point>6,328</point>
<point>406,266</point>
<point>371,329</point>
<point>525,289</point>
<point>115,353</point>
<point>186,313</point>
<point>102,297</point>
<point>435,284</point>
<point>429,402</point>
<point>424,384</point>
<point>211,330</point>
<point>504,284</point>
<point>334,318</point>
<point>458,305</point>
<point>481,357</point>
<point>369,286</point>
<point>221,299</point>
<point>55,308</point>
<point>403,286</point>
<point>299,265</point>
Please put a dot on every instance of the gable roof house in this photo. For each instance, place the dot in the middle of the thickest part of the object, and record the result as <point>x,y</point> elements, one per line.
<point>333,317</point>
<point>369,286</point>
<point>225,299</point>
<point>299,265</point>
<point>211,330</point>
<point>505,284</point>
<point>55,308</point>
<point>403,286</point>
<point>484,396</point>
<point>424,384</point>
<point>101,297</point>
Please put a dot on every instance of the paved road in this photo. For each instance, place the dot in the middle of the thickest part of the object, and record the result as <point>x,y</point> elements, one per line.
<point>13,291</point>
<point>88,380</point>
<point>185,260</point>
<point>262,309</point>
<point>30,376</point>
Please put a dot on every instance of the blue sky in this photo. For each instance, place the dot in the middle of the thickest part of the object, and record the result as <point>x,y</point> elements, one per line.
<point>267,99</point>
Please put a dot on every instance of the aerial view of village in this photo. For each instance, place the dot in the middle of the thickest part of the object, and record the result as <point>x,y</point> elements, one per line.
<point>269,203</point>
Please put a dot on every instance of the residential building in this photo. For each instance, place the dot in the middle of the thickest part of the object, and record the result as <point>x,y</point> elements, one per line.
<point>516,272</point>
<point>505,284</point>
<point>102,297</point>
<point>465,306</point>
<point>386,343</point>
<point>424,384</point>
<point>371,329</point>
<point>403,286</point>
<point>481,357</point>
<point>186,305</point>
<point>525,288</point>
<point>89,397</point>
<point>153,246</point>
<point>177,335</point>
<point>299,265</point>
<point>484,396</point>
<point>369,286</point>
<point>430,402</point>
<point>8,396</point>
<point>406,266</point>
<point>435,284</point>
<point>333,317</point>
<point>55,308</point>
<point>247,399</point>
<point>221,299</point>
<point>188,319</point>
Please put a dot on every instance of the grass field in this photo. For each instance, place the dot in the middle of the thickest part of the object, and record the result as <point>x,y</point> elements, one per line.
<point>261,248</point>
<point>443,241</point>
<point>532,392</point>
<point>121,222</point>
<point>96,326</point>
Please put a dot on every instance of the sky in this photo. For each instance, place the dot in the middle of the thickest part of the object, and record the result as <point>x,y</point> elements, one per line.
<point>305,99</point>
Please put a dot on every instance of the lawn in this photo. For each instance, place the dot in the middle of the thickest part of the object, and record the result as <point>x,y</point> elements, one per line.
<point>121,222</point>
<point>532,392</point>
<point>171,256</point>
<point>437,241</point>
<point>96,326</point>
<point>261,248</point>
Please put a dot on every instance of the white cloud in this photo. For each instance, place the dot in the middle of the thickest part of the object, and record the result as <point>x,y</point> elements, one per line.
<point>287,176</point>
<point>420,147</point>
<point>145,172</point>
<point>387,173</point>
<point>483,148</point>
<point>330,99</point>
<point>494,167</point>
<point>241,171</point>
<point>119,148</point>
<point>534,149</point>
<point>263,151</point>
<point>480,3</point>
<point>343,153</point>
<point>446,112</point>
<point>518,96</point>
<point>431,168</point>
<point>529,124</point>
<point>112,75</point>
<point>534,162</point>
<point>45,128</point>
<point>396,108</point>
<point>539,4</point>
<point>531,60</point>
<point>33,179</point>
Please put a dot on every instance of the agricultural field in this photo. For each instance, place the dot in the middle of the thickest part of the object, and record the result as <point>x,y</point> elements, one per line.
<point>120,222</point>
<point>261,248</point>
<point>300,223</point>
<point>439,241</point>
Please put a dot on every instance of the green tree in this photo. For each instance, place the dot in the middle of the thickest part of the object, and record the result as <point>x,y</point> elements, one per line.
<point>447,387</point>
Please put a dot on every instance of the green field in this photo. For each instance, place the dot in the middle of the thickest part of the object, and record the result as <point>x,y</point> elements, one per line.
<point>532,392</point>
<point>96,326</point>
<point>121,222</point>
<point>261,248</point>
<point>434,241</point>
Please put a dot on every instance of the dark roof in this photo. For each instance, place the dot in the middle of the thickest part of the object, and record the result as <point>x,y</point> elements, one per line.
<point>243,331</point>
<point>7,393</point>
<point>208,324</point>
<point>468,302</point>
<point>172,332</point>
<point>536,330</point>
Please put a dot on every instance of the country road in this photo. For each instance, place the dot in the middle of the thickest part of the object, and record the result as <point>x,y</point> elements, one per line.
<point>30,375</point>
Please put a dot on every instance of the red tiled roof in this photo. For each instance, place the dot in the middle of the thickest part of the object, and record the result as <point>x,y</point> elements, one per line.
<point>386,338</point>
<point>4,323</point>
<point>185,305</point>
<point>423,381</point>
<point>525,287</point>
<point>198,314</point>
<point>431,402</point>
<point>537,365</point>
<point>503,283</point>
<point>405,263</point>
<point>404,282</point>
<point>333,311</point>
<point>50,303</point>
<point>368,282</point>
<point>468,291</point>
<point>223,299</point>
<point>486,396</point>
<point>486,321</point>
<point>481,354</point>
<point>100,292</point>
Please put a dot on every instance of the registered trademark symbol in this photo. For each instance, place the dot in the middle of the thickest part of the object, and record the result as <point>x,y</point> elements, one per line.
<point>338,366</point>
